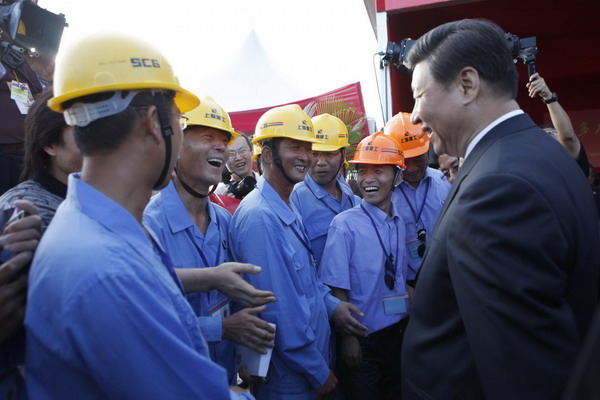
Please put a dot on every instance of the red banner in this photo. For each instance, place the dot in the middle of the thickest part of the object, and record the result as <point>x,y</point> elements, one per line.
<point>245,121</point>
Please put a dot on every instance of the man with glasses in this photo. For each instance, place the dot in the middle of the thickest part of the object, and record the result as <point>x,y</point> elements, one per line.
<point>324,192</point>
<point>421,194</point>
<point>364,262</point>
<point>243,178</point>
<point>194,231</point>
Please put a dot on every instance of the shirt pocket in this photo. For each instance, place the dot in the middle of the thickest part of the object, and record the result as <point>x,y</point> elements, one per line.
<point>317,228</point>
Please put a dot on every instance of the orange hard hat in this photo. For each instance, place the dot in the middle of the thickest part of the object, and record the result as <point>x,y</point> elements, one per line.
<point>413,140</point>
<point>379,149</point>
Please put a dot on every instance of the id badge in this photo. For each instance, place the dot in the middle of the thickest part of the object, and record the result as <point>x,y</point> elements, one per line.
<point>21,94</point>
<point>413,249</point>
<point>221,310</point>
<point>395,304</point>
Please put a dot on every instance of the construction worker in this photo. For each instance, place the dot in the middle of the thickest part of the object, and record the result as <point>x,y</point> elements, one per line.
<point>364,263</point>
<point>324,192</point>
<point>421,194</point>
<point>267,230</point>
<point>106,315</point>
<point>194,230</point>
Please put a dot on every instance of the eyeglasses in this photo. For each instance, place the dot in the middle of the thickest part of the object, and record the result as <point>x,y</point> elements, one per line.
<point>183,120</point>
<point>243,152</point>
<point>422,237</point>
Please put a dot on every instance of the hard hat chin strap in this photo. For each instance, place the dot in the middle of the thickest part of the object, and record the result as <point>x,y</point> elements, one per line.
<point>277,161</point>
<point>167,132</point>
<point>342,162</point>
<point>191,190</point>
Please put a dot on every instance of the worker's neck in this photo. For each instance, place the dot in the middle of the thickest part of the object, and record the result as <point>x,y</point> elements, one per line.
<point>279,183</point>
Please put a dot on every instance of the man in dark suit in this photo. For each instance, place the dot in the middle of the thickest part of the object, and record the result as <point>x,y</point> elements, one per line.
<point>509,282</point>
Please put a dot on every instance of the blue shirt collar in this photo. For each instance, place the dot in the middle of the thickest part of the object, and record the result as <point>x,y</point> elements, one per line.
<point>285,213</point>
<point>175,211</point>
<point>320,191</point>
<point>107,212</point>
<point>378,215</point>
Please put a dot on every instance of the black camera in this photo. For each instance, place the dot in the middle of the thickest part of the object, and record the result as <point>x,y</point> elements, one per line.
<point>523,50</point>
<point>397,53</point>
<point>242,188</point>
<point>27,29</point>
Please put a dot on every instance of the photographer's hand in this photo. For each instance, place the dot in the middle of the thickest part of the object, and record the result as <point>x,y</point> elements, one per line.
<point>537,87</point>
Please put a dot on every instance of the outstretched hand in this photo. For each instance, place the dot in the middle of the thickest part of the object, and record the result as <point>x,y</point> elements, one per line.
<point>228,280</point>
<point>345,323</point>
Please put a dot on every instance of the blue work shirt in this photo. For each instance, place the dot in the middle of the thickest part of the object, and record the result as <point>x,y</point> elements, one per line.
<point>317,208</point>
<point>167,216</point>
<point>262,233</point>
<point>354,260</point>
<point>106,318</point>
<point>432,205</point>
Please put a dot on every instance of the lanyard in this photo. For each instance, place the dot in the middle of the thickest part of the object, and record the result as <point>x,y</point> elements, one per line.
<point>304,242</point>
<point>391,262</point>
<point>199,250</point>
<point>417,216</point>
<point>166,261</point>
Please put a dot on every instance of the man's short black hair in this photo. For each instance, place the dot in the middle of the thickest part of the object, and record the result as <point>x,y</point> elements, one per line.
<point>476,43</point>
<point>106,134</point>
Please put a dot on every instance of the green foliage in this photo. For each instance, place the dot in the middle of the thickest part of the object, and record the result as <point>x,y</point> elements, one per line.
<point>355,120</point>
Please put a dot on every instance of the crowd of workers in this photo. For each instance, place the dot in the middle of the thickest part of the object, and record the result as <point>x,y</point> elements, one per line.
<point>478,280</point>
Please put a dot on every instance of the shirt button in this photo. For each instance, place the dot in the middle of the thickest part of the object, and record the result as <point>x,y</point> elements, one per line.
<point>190,319</point>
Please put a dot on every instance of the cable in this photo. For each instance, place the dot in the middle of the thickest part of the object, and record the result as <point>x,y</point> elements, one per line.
<point>378,91</point>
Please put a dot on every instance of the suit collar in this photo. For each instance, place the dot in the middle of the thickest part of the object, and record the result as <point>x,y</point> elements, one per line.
<point>508,127</point>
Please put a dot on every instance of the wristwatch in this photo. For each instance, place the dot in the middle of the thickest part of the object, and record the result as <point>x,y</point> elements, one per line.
<point>552,99</point>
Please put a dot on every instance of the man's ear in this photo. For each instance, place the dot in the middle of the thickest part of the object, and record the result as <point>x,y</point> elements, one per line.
<point>469,84</point>
<point>266,154</point>
<point>150,124</point>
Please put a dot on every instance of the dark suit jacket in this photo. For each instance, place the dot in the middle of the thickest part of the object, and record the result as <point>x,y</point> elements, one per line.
<point>509,282</point>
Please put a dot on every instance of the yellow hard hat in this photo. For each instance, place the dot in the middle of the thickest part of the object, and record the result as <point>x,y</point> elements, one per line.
<point>379,149</point>
<point>413,140</point>
<point>212,115</point>
<point>285,122</point>
<point>256,151</point>
<point>114,62</point>
<point>331,131</point>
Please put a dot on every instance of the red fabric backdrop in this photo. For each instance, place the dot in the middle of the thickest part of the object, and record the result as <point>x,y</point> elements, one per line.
<point>245,121</point>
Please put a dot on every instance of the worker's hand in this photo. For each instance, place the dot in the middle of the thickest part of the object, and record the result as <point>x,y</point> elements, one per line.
<point>228,281</point>
<point>345,323</point>
<point>247,378</point>
<point>20,237</point>
<point>250,331</point>
<point>23,234</point>
<point>351,351</point>
<point>537,87</point>
<point>327,390</point>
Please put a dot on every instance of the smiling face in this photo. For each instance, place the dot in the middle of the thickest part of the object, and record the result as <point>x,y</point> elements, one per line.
<point>240,158</point>
<point>203,156</point>
<point>326,166</point>
<point>375,183</point>
<point>438,109</point>
<point>296,157</point>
